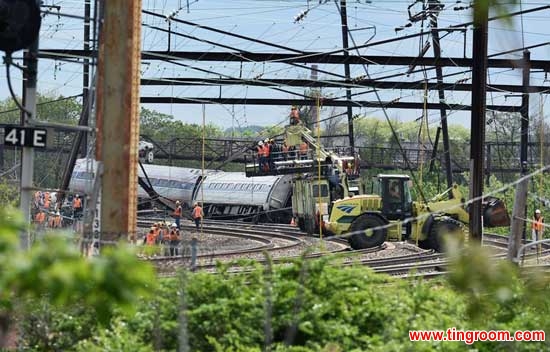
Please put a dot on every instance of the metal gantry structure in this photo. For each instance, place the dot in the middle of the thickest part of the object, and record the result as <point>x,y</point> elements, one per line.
<point>479,63</point>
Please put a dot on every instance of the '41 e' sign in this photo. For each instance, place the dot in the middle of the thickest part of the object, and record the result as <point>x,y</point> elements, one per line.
<point>25,137</point>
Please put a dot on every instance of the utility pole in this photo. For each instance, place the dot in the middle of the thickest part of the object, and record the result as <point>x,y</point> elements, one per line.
<point>433,11</point>
<point>30,61</point>
<point>345,44</point>
<point>314,110</point>
<point>477,127</point>
<point>118,116</point>
<point>520,205</point>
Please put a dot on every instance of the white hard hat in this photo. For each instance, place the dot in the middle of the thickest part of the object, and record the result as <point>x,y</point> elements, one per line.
<point>174,225</point>
<point>537,211</point>
<point>57,213</point>
<point>260,143</point>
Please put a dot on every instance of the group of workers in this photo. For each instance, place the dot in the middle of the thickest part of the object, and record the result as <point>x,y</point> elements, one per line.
<point>269,151</point>
<point>169,239</point>
<point>46,213</point>
<point>160,235</point>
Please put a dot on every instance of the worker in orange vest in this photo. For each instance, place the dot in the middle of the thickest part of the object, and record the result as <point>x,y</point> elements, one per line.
<point>174,240</point>
<point>294,116</point>
<point>537,226</point>
<point>177,213</point>
<point>198,214</point>
<point>150,237</point>
<point>40,217</point>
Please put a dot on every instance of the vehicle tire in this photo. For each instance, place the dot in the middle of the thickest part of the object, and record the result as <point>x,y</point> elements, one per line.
<point>361,239</point>
<point>149,156</point>
<point>442,228</point>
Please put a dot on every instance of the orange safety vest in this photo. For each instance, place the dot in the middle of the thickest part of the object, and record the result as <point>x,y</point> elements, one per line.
<point>538,224</point>
<point>174,236</point>
<point>177,212</point>
<point>40,217</point>
<point>197,212</point>
<point>46,203</point>
<point>150,238</point>
<point>77,203</point>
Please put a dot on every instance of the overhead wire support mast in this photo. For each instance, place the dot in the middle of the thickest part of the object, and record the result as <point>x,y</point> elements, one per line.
<point>345,45</point>
<point>477,127</point>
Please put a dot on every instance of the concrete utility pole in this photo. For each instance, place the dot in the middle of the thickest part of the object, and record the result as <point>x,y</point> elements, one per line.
<point>345,45</point>
<point>30,59</point>
<point>118,116</point>
<point>477,136</point>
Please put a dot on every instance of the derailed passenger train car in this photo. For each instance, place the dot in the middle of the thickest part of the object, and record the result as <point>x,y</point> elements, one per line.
<point>230,195</point>
<point>225,195</point>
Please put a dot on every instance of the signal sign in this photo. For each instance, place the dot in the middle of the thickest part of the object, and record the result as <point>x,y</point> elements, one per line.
<point>25,137</point>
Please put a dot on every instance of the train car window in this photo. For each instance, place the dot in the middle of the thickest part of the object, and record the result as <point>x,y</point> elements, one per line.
<point>164,183</point>
<point>324,191</point>
<point>258,187</point>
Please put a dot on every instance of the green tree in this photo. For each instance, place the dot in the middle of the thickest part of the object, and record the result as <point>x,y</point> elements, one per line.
<point>56,270</point>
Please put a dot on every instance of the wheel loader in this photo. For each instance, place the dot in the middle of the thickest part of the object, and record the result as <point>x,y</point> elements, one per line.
<point>390,214</point>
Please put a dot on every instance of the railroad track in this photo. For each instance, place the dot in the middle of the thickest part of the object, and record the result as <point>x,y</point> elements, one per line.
<point>264,235</point>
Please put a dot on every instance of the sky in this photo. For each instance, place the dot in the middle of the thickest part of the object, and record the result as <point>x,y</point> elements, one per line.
<point>319,30</point>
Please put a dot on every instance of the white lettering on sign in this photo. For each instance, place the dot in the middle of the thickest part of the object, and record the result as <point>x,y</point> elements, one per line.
<point>25,137</point>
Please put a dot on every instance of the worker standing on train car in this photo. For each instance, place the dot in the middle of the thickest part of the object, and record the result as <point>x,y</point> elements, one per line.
<point>40,218</point>
<point>261,158</point>
<point>174,240</point>
<point>177,213</point>
<point>294,116</point>
<point>198,214</point>
<point>537,226</point>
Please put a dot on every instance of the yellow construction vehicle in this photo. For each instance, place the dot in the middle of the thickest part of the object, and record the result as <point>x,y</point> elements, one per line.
<point>391,214</point>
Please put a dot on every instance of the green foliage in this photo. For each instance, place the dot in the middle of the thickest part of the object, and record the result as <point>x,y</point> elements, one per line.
<point>55,270</point>
<point>161,126</point>
<point>115,339</point>
<point>9,195</point>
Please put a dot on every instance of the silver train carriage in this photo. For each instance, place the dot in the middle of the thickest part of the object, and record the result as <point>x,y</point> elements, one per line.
<point>175,183</point>
<point>225,195</point>
<point>230,195</point>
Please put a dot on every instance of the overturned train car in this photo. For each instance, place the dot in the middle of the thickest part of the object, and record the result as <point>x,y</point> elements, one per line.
<point>224,195</point>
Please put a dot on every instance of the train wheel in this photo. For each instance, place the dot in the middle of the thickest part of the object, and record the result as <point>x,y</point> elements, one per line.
<point>442,230</point>
<point>363,235</point>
